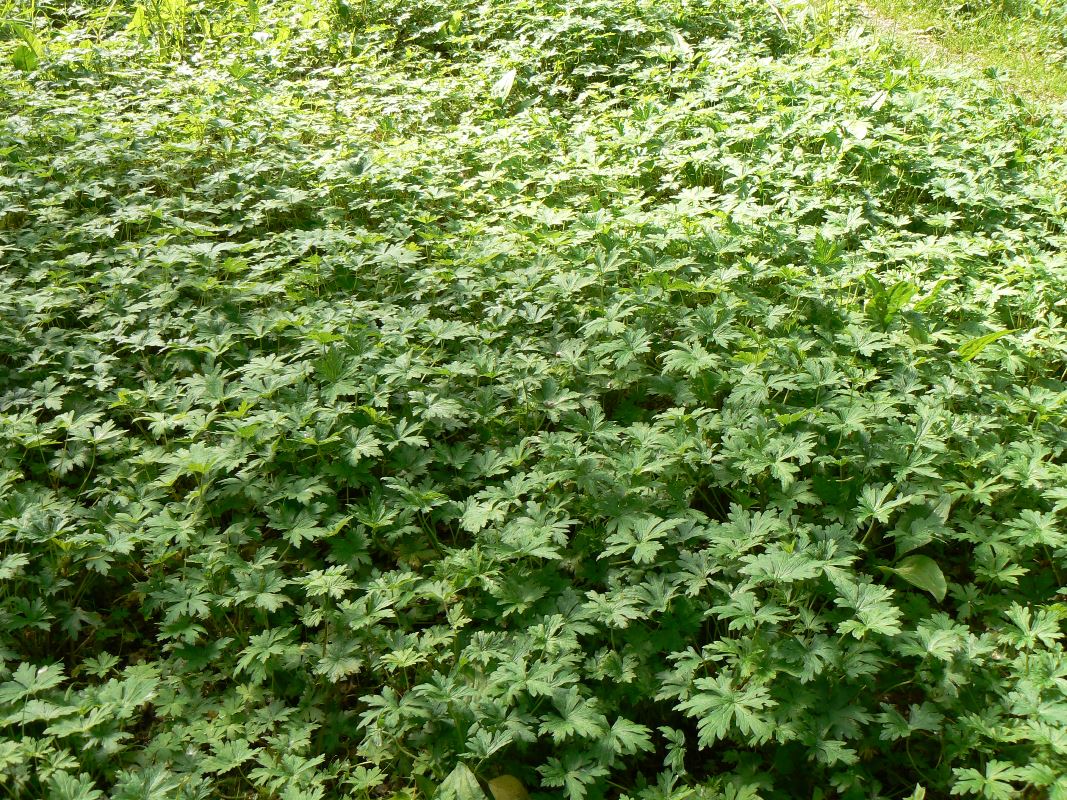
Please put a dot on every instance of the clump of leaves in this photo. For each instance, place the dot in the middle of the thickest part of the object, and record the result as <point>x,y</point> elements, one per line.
<point>623,398</point>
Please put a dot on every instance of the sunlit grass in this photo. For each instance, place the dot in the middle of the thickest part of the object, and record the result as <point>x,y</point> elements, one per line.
<point>1017,46</point>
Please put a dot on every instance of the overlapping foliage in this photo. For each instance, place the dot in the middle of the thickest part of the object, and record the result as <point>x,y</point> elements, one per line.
<point>661,399</point>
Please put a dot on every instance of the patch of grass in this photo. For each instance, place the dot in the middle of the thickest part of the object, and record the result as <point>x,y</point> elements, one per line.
<point>1026,39</point>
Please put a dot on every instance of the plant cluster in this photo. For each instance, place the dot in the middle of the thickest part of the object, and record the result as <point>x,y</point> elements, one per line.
<point>649,399</point>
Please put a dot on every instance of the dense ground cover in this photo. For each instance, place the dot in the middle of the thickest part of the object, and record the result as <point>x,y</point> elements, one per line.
<point>661,399</point>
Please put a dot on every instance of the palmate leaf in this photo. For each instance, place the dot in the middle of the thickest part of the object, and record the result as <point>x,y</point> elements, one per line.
<point>65,786</point>
<point>28,680</point>
<point>573,773</point>
<point>993,784</point>
<point>1033,528</point>
<point>744,613</point>
<point>228,755</point>
<point>780,567</point>
<point>689,358</point>
<point>266,594</point>
<point>330,582</point>
<point>484,743</point>
<point>476,515</point>
<point>81,724</point>
<point>362,444</point>
<point>198,460</point>
<point>1030,629</point>
<point>34,710</point>
<point>139,685</point>
<point>873,613</point>
<point>265,648</point>
<point>577,717</point>
<point>154,783</point>
<point>875,502</point>
<point>627,738</point>
<point>719,706</point>
<point>12,565</point>
<point>640,536</point>
<point>616,609</point>
<point>342,657</point>
<point>834,752</point>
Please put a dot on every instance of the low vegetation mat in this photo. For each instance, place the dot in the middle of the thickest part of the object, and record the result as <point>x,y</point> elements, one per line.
<point>598,399</point>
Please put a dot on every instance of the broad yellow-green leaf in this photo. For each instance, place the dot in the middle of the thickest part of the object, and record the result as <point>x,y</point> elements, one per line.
<point>923,571</point>
<point>898,296</point>
<point>507,787</point>
<point>23,58</point>
<point>461,784</point>
<point>973,347</point>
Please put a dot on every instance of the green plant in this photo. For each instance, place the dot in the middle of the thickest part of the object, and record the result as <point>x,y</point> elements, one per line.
<point>650,400</point>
